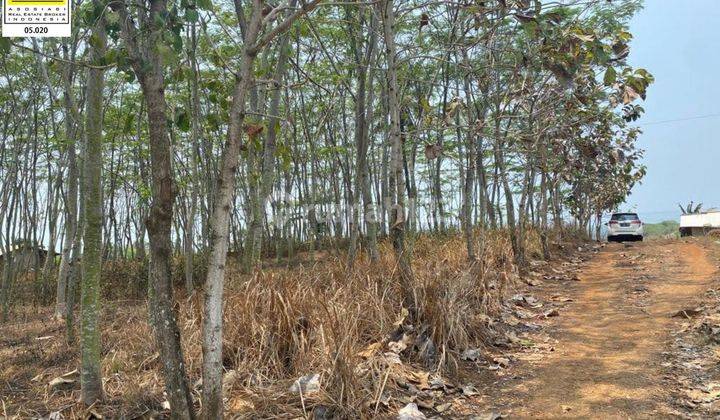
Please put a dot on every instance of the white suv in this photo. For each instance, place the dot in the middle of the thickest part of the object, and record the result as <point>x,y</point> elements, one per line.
<point>625,226</point>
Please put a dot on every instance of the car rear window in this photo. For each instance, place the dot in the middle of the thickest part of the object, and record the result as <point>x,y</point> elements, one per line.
<point>624,217</point>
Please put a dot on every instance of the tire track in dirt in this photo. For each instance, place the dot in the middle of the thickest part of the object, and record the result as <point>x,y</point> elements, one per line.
<point>608,356</point>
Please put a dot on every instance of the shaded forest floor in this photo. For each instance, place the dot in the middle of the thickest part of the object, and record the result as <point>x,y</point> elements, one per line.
<point>596,331</point>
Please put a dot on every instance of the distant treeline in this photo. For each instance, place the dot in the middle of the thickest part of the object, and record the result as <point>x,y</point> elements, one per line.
<point>665,228</point>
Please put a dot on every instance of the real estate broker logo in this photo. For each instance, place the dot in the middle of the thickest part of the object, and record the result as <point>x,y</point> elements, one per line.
<point>36,18</point>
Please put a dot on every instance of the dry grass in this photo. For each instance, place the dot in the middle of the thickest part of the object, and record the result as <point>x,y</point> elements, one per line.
<point>281,324</point>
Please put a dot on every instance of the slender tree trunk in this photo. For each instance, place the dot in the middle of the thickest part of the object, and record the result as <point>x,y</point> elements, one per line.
<point>219,228</point>
<point>543,208</point>
<point>370,210</point>
<point>397,179</point>
<point>74,272</point>
<point>159,226</point>
<point>188,240</point>
<point>71,197</point>
<point>142,201</point>
<point>363,115</point>
<point>503,177</point>
<point>148,66</point>
<point>52,217</point>
<point>268,156</point>
<point>91,386</point>
<point>360,149</point>
<point>527,185</point>
<point>220,220</point>
<point>8,273</point>
<point>188,243</point>
<point>469,175</point>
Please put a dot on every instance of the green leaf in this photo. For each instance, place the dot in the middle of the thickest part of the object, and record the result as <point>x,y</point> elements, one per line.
<point>159,21</point>
<point>213,121</point>
<point>531,28</point>
<point>178,75</point>
<point>177,43</point>
<point>128,126</point>
<point>95,41</point>
<point>4,45</point>
<point>129,76</point>
<point>625,36</point>
<point>110,56</point>
<point>191,15</point>
<point>425,105</point>
<point>610,76</point>
<point>169,56</point>
<point>112,17</point>
<point>204,4</point>
<point>145,192</point>
<point>182,120</point>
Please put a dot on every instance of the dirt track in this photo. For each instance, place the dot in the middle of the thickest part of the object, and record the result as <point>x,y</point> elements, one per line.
<point>609,342</point>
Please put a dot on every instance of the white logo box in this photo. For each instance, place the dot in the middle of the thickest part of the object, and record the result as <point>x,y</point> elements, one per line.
<point>36,18</point>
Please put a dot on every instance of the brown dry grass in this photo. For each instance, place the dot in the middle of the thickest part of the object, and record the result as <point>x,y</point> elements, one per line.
<point>280,324</point>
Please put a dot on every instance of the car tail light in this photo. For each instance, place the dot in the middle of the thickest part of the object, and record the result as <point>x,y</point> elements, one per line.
<point>613,222</point>
<point>636,222</point>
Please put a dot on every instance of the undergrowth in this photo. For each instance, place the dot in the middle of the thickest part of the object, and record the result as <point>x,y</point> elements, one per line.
<point>281,324</point>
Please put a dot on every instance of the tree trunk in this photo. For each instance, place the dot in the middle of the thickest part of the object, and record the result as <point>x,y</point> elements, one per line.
<point>148,66</point>
<point>91,387</point>
<point>397,179</point>
<point>188,240</point>
<point>71,195</point>
<point>543,208</point>
<point>220,225</point>
<point>370,210</point>
<point>159,224</point>
<point>220,219</point>
<point>363,115</point>
<point>503,177</point>
<point>254,246</point>
<point>470,174</point>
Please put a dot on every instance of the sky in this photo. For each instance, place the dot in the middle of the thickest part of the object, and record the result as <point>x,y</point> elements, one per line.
<point>678,41</point>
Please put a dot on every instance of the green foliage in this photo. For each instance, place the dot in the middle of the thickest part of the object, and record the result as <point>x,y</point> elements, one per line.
<point>182,119</point>
<point>610,76</point>
<point>4,45</point>
<point>548,84</point>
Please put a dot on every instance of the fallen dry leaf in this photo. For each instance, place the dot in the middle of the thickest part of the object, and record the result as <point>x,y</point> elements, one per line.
<point>470,354</point>
<point>240,404</point>
<point>551,313</point>
<point>229,380</point>
<point>501,361</point>
<point>420,378</point>
<point>307,384</point>
<point>60,381</point>
<point>410,412</point>
<point>370,350</point>
<point>441,408</point>
<point>469,390</point>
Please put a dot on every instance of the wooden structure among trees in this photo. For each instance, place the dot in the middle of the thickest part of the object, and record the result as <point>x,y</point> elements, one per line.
<point>24,255</point>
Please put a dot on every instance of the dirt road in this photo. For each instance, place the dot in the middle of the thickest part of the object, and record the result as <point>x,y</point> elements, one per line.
<point>608,343</point>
